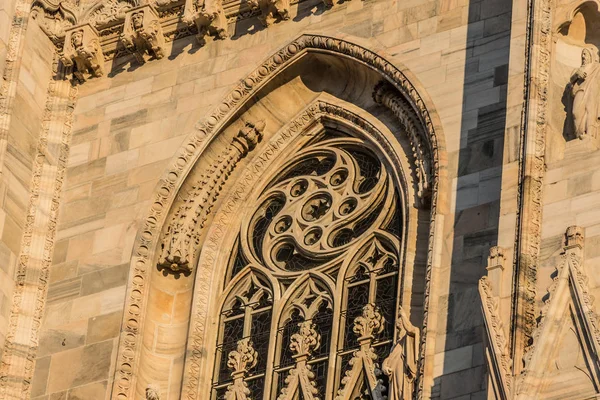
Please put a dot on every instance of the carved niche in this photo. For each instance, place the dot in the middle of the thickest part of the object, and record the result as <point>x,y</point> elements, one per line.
<point>209,18</point>
<point>53,19</point>
<point>83,52</point>
<point>142,33</point>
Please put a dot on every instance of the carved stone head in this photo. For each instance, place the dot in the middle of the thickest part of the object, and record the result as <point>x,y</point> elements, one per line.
<point>77,39</point>
<point>137,20</point>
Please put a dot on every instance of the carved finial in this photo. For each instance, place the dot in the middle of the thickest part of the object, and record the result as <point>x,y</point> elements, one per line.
<point>574,237</point>
<point>243,358</point>
<point>152,392</point>
<point>369,323</point>
<point>306,340</point>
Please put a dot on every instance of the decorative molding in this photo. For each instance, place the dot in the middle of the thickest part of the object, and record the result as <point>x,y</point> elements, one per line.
<point>386,95</point>
<point>37,244</point>
<point>83,52</point>
<point>181,241</point>
<point>301,379</point>
<point>531,174</point>
<point>148,238</point>
<point>53,19</point>
<point>363,364</point>
<point>240,361</point>
<point>209,18</point>
<point>142,33</point>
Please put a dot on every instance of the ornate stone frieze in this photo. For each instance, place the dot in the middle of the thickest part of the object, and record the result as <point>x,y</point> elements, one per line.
<point>83,52</point>
<point>142,33</point>
<point>107,13</point>
<point>301,379</point>
<point>181,240</point>
<point>239,362</point>
<point>364,369</point>
<point>209,18</point>
<point>386,95</point>
<point>53,18</point>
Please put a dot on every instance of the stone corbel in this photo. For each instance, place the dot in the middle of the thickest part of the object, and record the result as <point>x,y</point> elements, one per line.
<point>495,269</point>
<point>53,18</point>
<point>270,10</point>
<point>209,18</point>
<point>142,33</point>
<point>82,52</point>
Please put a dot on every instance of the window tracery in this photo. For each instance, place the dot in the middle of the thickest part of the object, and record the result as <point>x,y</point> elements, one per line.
<point>327,229</point>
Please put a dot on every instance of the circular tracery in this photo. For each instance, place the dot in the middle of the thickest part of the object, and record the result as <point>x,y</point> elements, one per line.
<point>326,197</point>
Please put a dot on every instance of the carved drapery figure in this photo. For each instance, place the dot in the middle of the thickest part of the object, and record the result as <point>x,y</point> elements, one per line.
<point>143,34</point>
<point>401,365</point>
<point>584,87</point>
<point>83,51</point>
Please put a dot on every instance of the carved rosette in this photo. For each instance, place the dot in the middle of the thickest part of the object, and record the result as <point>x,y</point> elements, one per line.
<point>83,52</point>
<point>142,33</point>
<point>301,378</point>
<point>209,18</point>
<point>181,240</point>
<point>240,361</point>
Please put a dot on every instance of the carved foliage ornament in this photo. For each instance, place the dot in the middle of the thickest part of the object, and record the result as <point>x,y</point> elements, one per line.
<point>108,12</point>
<point>137,291</point>
<point>83,52</point>
<point>239,362</point>
<point>181,240</point>
<point>54,19</point>
<point>142,33</point>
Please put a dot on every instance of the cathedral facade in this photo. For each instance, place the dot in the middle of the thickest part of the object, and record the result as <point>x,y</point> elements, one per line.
<point>299,199</point>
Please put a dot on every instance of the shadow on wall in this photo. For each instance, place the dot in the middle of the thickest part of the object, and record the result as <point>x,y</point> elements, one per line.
<point>477,209</point>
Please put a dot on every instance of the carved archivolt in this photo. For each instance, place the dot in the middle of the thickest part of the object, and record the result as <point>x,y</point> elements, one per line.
<point>300,237</point>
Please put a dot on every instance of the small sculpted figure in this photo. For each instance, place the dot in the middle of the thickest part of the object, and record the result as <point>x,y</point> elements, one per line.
<point>85,55</point>
<point>584,86</point>
<point>401,365</point>
<point>144,34</point>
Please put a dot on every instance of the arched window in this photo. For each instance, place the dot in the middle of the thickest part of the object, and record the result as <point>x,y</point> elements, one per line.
<point>326,229</point>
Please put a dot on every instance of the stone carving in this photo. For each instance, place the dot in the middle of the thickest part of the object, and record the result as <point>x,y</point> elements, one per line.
<point>270,10</point>
<point>152,392</point>
<point>142,33</point>
<point>208,127</point>
<point>584,87</point>
<point>386,95</point>
<point>300,381</point>
<point>108,12</point>
<point>181,240</point>
<point>209,18</point>
<point>53,18</point>
<point>401,365</point>
<point>364,369</point>
<point>239,362</point>
<point>83,52</point>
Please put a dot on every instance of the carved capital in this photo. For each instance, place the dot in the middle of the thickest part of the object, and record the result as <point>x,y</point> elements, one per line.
<point>142,33</point>
<point>83,52</point>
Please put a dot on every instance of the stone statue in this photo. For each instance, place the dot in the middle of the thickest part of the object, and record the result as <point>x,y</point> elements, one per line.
<point>401,365</point>
<point>585,92</point>
<point>83,50</point>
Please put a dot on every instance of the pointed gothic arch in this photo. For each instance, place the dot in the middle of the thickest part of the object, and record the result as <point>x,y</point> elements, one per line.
<point>178,260</point>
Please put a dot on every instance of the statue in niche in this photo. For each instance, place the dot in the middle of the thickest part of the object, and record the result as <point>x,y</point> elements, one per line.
<point>584,87</point>
<point>401,365</point>
<point>83,50</point>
